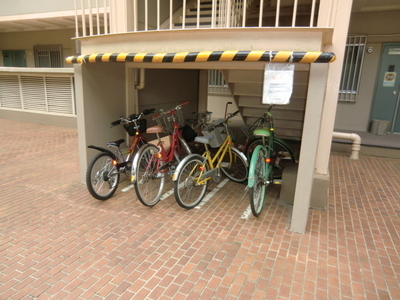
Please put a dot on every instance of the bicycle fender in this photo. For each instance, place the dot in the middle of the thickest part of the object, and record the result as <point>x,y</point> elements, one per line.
<point>136,160</point>
<point>288,147</point>
<point>253,163</point>
<point>241,155</point>
<point>103,150</point>
<point>183,161</point>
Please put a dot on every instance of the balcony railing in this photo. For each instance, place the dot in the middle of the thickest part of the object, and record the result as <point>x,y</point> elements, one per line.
<point>38,90</point>
<point>98,17</point>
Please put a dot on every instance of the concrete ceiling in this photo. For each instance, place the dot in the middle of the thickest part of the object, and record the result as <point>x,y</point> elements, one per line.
<point>41,21</point>
<point>375,5</point>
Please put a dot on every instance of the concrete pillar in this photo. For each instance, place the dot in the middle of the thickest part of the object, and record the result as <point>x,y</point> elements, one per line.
<point>341,20</point>
<point>121,16</point>
<point>100,100</point>
<point>309,146</point>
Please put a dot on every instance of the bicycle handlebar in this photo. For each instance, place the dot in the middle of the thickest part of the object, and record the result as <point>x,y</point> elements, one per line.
<point>132,117</point>
<point>170,110</point>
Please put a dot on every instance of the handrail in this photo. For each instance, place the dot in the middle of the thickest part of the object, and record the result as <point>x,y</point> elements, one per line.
<point>108,16</point>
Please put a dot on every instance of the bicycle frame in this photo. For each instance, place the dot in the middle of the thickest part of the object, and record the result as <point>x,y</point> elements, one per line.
<point>118,156</point>
<point>213,162</point>
<point>265,133</point>
<point>163,157</point>
<point>169,155</point>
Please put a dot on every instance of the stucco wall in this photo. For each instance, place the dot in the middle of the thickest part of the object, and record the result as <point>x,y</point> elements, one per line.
<point>164,89</point>
<point>356,115</point>
<point>100,100</point>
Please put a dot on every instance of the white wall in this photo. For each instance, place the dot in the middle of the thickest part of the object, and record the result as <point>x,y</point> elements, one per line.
<point>19,7</point>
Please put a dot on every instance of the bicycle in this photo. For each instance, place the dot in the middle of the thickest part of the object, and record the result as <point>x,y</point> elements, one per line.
<point>194,172</point>
<point>283,153</point>
<point>265,161</point>
<point>154,161</point>
<point>103,172</point>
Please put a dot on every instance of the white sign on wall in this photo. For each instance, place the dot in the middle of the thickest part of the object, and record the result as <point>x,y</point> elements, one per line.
<point>278,83</point>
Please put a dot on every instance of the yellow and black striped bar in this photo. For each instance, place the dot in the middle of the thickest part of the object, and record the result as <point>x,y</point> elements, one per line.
<point>207,56</point>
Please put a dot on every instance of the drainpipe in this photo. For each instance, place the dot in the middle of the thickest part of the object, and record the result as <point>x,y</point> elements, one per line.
<point>355,148</point>
<point>141,80</point>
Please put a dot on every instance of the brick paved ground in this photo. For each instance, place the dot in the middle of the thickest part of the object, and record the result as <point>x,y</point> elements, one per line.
<point>57,242</point>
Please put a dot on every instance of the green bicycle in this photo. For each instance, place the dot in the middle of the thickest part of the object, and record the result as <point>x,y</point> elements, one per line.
<point>268,158</point>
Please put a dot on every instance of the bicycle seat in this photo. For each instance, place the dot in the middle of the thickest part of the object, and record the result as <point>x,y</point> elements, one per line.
<point>115,143</point>
<point>262,132</point>
<point>155,129</point>
<point>204,139</point>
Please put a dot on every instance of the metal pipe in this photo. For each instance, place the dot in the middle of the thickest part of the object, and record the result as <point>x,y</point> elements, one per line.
<point>356,146</point>
<point>141,80</point>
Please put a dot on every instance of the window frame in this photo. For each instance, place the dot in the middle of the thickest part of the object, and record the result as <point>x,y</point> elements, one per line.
<point>48,56</point>
<point>352,68</point>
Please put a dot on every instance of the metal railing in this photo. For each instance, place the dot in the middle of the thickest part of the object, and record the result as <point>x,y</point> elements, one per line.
<point>95,17</point>
<point>217,84</point>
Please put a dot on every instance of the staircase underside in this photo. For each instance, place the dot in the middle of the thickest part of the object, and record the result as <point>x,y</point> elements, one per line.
<point>247,88</point>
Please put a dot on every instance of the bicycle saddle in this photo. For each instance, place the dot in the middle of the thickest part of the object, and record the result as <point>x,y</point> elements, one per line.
<point>262,132</point>
<point>115,143</point>
<point>155,129</point>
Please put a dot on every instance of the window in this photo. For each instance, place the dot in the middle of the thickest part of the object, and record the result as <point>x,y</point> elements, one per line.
<point>217,84</point>
<point>48,56</point>
<point>351,72</point>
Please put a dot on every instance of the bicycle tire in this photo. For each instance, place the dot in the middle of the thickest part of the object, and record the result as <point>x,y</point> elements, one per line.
<point>149,183</point>
<point>258,172</point>
<point>280,158</point>
<point>187,193</point>
<point>102,177</point>
<point>237,169</point>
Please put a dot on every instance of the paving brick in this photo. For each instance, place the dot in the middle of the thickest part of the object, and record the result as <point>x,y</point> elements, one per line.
<point>57,242</point>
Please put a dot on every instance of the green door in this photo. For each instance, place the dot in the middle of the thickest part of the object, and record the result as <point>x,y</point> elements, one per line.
<point>14,58</point>
<point>386,104</point>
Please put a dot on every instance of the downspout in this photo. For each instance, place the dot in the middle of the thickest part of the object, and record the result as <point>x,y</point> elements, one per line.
<point>141,80</point>
<point>355,148</point>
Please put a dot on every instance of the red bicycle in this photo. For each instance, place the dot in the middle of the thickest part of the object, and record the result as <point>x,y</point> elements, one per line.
<point>154,162</point>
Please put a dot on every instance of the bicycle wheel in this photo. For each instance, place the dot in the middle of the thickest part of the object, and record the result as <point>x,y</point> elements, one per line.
<point>188,193</point>
<point>149,182</point>
<point>279,159</point>
<point>102,177</point>
<point>258,172</point>
<point>236,167</point>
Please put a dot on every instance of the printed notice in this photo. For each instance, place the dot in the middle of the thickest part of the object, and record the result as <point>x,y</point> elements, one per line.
<point>278,83</point>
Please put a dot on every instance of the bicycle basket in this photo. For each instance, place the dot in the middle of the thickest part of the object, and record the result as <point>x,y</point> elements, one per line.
<point>219,135</point>
<point>130,128</point>
<point>166,120</point>
<point>252,123</point>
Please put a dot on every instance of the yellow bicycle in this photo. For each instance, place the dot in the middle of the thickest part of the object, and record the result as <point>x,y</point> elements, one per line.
<point>194,172</point>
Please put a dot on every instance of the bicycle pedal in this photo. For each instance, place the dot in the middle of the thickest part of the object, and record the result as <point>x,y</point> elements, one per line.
<point>277,181</point>
<point>224,165</point>
<point>159,175</point>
